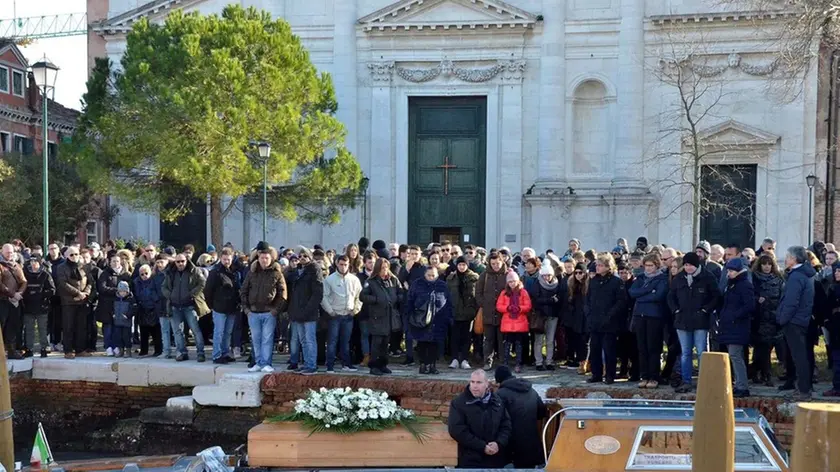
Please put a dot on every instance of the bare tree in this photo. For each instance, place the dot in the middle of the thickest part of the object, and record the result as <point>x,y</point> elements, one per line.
<point>697,175</point>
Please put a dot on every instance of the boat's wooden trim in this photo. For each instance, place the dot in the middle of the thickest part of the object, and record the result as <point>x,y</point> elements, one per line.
<point>143,462</point>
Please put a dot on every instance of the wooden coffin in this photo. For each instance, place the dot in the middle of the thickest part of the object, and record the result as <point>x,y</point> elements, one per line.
<point>289,444</point>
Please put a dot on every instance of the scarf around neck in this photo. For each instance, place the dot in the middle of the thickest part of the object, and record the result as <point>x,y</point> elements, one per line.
<point>690,277</point>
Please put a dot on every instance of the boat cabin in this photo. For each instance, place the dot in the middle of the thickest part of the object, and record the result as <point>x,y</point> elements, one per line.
<point>649,435</point>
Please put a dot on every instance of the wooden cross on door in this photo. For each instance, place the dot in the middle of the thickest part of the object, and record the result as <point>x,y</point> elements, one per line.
<point>446,166</point>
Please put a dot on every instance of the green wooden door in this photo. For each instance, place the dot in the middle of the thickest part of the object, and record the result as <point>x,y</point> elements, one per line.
<point>446,166</point>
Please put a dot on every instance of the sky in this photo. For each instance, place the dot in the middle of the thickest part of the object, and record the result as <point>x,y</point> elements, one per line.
<point>68,53</point>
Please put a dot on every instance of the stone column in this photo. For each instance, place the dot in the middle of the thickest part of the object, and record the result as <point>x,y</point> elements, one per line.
<point>552,115</point>
<point>630,91</point>
<point>382,198</point>
<point>344,68</point>
<point>510,188</point>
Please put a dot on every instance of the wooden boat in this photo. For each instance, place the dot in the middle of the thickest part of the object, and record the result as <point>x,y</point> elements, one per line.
<point>628,435</point>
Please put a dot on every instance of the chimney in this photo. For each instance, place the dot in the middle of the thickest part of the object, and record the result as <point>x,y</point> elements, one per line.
<point>32,93</point>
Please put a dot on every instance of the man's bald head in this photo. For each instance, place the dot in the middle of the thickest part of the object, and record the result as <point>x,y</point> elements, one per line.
<point>8,252</point>
<point>479,383</point>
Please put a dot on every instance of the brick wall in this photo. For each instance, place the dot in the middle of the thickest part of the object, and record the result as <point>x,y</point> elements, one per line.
<point>71,409</point>
<point>426,398</point>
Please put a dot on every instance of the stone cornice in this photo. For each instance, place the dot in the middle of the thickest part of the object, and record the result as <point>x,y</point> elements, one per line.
<point>721,17</point>
<point>33,119</point>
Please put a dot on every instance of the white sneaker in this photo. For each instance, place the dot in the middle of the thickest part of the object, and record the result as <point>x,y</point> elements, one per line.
<point>109,352</point>
<point>116,351</point>
<point>58,348</point>
<point>465,365</point>
<point>268,369</point>
<point>237,353</point>
<point>453,364</point>
<point>255,368</point>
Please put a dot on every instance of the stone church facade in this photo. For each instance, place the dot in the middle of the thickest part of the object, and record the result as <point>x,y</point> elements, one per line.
<point>529,122</point>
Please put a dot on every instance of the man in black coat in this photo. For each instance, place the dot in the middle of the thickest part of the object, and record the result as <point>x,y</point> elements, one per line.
<point>480,424</point>
<point>306,289</point>
<point>525,408</point>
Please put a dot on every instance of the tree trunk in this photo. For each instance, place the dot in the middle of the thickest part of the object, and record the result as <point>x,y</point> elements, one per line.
<point>217,221</point>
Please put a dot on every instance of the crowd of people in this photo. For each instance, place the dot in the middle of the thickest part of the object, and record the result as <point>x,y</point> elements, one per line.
<point>611,315</point>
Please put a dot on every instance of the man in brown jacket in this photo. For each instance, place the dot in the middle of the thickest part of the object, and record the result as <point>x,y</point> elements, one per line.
<point>263,297</point>
<point>12,287</point>
<point>74,288</point>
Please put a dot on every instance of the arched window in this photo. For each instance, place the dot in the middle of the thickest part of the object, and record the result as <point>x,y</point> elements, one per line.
<point>590,128</point>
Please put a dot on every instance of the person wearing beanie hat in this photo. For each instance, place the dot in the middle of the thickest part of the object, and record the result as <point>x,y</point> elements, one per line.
<point>514,303</point>
<point>574,319</point>
<point>36,303</point>
<point>547,296</point>
<point>305,295</point>
<point>124,311</point>
<point>526,409</point>
<point>705,247</point>
<point>606,310</point>
<point>642,243</point>
<point>211,249</point>
<point>735,317</point>
<point>574,246</point>
<point>169,251</point>
<point>692,298</point>
<point>462,284</point>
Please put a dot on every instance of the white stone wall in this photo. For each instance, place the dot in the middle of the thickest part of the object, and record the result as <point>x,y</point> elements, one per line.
<point>548,131</point>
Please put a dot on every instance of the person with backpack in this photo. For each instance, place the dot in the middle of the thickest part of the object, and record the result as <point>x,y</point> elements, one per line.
<point>429,317</point>
<point>36,303</point>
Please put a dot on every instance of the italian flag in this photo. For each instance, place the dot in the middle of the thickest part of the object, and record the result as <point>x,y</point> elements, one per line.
<point>41,454</point>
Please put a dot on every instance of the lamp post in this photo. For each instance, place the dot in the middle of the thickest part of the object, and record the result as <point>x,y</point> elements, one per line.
<point>264,149</point>
<point>45,73</point>
<point>811,180</point>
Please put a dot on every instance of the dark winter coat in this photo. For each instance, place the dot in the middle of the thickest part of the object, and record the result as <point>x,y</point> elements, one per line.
<point>490,285</point>
<point>222,289</point>
<point>693,306</point>
<point>306,290</point>
<point>462,295</point>
<point>526,409</point>
<point>189,284</point>
<point>124,310</point>
<point>263,290</point>
<point>363,313</point>
<point>149,297</point>
<point>548,302</point>
<point>605,304</point>
<point>735,315</point>
<point>797,302</point>
<point>423,292</point>
<point>382,299</point>
<point>473,424</point>
<point>574,312</point>
<point>12,279</point>
<point>651,296</point>
<point>406,276</point>
<point>39,290</point>
<point>72,284</point>
<point>765,328</point>
<point>106,287</point>
<point>832,321</point>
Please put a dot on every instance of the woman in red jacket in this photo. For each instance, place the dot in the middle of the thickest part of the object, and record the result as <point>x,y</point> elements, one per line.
<point>514,304</point>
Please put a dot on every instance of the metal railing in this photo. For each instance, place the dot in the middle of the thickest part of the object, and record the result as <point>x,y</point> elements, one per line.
<point>48,26</point>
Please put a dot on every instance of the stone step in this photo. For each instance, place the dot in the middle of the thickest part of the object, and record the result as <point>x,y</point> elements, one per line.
<point>240,390</point>
<point>185,403</point>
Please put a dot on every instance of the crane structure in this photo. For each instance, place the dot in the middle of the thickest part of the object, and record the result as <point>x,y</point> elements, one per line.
<point>47,26</point>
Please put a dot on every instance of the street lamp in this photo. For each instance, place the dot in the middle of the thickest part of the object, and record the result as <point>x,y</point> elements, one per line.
<point>811,180</point>
<point>45,73</point>
<point>264,149</point>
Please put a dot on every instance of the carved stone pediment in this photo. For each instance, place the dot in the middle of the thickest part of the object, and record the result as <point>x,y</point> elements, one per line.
<point>734,134</point>
<point>407,15</point>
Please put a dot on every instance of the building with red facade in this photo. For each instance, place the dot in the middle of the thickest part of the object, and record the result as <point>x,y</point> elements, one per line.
<point>21,121</point>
